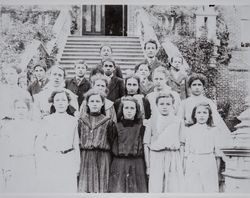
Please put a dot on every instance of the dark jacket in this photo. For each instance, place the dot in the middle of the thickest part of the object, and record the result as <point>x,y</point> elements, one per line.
<point>35,87</point>
<point>116,88</point>
<point>117,72</point>
<point>80,90</point>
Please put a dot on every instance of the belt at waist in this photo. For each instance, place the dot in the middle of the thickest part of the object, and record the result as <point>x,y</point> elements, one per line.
<point>196,153</point>
<point>95,149</point>
<point>61,152</point>
<point>128,156</point>
<point>22,155</point>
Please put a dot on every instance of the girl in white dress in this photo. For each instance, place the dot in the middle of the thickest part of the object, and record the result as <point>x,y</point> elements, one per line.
<point>18,150</point>
<point>201,149</point>
<point>163,142</point>
<point>59,157</point>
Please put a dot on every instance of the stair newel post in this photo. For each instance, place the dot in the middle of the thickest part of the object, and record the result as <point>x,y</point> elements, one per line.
<point>237,173</point>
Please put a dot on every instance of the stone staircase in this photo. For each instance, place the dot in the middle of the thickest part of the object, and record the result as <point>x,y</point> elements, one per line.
<point>127,51</point>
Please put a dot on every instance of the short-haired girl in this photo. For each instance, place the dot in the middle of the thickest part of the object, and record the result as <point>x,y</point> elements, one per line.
<point>201,171</point>
<point>59,157</point>
<point>96,131</point>
<point>128,172</point>
<point>164,148</point>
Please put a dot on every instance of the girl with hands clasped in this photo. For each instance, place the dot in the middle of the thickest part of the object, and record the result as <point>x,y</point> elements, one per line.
<point>201,149</point>
<point>164,148</point>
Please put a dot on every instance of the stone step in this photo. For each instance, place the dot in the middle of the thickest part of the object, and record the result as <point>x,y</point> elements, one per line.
<point>97,50</point>
<point>119,44</point>
<point>97,55</point>
<point>96,62</point>
<point>103,41</point>
<point>89,58</point>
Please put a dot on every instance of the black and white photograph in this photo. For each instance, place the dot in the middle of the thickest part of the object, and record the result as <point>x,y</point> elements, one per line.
<point>121,97</point>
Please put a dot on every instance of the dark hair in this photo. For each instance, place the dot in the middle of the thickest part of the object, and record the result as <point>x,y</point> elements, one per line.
<point>136,78</point>
<point>92,92</point>
<point>141,63</point>
<point>40,65</point>
<point>51,100</point>
<point>151,41</point>
<point>97,70</point>
<point>109,60</point>
<point>164,95</point>
<point>197,76</point>
<point>210,118</point>
<point>138,114</point>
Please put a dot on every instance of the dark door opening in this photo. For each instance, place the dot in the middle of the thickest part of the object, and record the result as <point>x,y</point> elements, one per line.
<point>116,20</point>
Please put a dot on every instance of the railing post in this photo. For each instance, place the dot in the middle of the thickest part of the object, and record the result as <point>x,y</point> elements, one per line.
<point>237,173</point>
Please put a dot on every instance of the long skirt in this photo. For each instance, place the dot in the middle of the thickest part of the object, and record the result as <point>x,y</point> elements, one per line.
<point>94,171</point>
<point>201,173</point>
<point>166,172</point>
<point>57,172</point>
<point>128,175</point>
<point>21,176</point>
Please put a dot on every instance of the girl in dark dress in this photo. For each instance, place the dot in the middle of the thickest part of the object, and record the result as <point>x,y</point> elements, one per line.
<point>128,172</point>
<point>96,133</point>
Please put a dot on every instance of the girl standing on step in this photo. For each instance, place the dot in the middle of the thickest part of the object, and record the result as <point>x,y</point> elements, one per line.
<point>59,157</point>
<point>201,170</point>
<point>96,131</point>
<point>128,172</point>
<point>164,143</point>
<point>18,142</point>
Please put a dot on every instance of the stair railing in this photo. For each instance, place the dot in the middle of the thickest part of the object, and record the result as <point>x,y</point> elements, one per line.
<point>146,32</point>
<point>36,50</point>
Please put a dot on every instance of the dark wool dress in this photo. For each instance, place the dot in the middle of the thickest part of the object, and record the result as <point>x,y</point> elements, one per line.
<point>96,136</point>
<point>128,172</point>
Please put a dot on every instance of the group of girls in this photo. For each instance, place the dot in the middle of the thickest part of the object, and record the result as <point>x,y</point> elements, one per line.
<point>149,140</point>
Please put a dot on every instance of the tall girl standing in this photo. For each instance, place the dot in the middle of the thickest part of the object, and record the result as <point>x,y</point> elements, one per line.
<point>128,171</point>
<point>18,140</point>
<point>202,146</point>
<point>59,158</point>
<point>96,133</point>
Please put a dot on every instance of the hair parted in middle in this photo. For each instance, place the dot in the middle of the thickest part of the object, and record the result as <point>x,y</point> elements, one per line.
<point>101,77</point>
<point>91,92</point>
<point>138,114</point>
<point>136,78</point>
<point>210,121</point>
<point>197,76</point>
<point>109,60</point>
<point>151,41</point>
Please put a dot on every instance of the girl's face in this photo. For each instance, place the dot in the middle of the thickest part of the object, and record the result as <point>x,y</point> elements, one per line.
<point>202,114</point>
<point>40,73</point>
<point>143,71</point>
<point>196,87</point>
<point>100,85</point>
<point>159,80</point>
<point>21,110</point>
<point>61,102</point>
<point>95,103</point>
<point>165,106</point>
<point>11,76</point>
<point>129,110</point>
<point>132,86</point>
<point>177,63</point>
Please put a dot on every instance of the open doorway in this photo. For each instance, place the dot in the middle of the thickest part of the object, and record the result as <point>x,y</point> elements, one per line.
<point>116,20</point>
